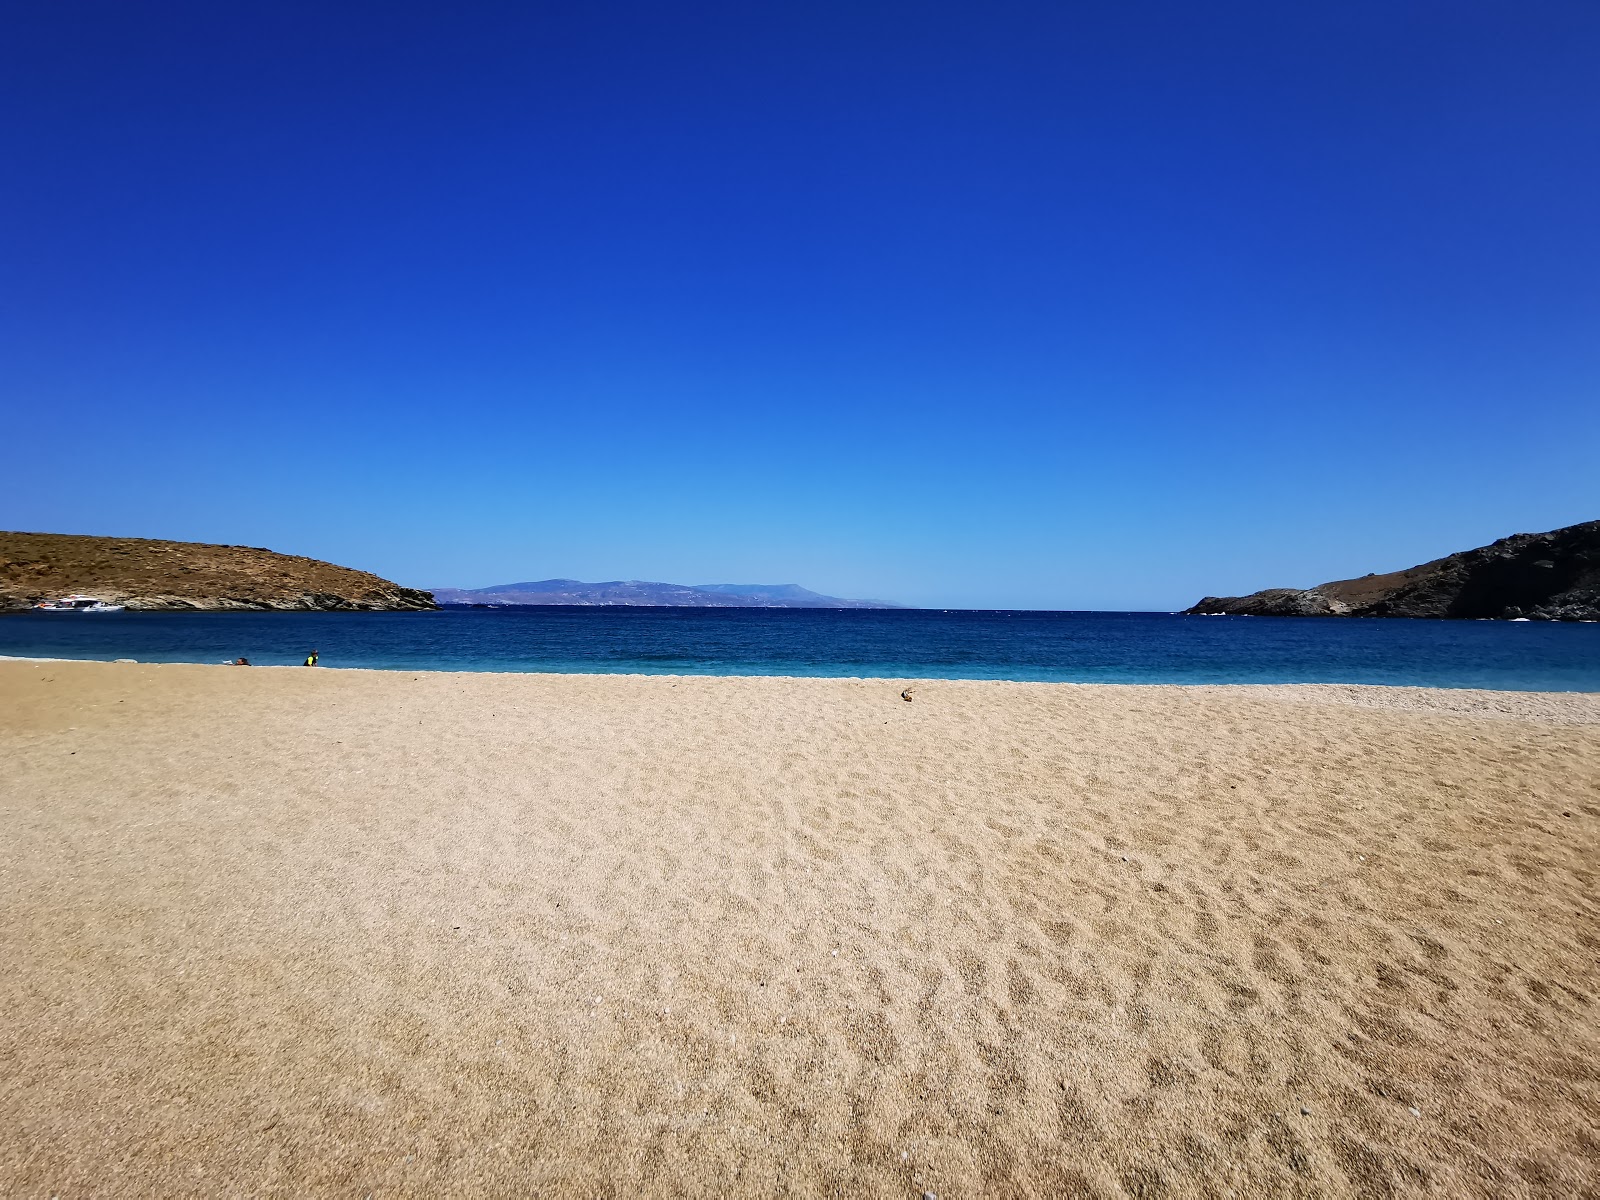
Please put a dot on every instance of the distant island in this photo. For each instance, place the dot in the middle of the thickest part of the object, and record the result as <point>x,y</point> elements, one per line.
<point>153,575</point>
<point>1551,576</point>
<point>642,593</point>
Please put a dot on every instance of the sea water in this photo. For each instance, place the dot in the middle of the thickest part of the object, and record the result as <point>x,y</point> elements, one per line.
<point>1082,647</point>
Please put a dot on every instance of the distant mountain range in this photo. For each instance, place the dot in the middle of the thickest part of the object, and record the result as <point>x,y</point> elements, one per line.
<point>643,593</point>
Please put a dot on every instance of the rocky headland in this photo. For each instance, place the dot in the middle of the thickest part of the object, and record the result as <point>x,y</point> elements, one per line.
<point>149,574</point>
<point>1551,576</point>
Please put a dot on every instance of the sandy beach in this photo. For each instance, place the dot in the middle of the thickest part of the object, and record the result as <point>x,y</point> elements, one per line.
<point>278,931</point>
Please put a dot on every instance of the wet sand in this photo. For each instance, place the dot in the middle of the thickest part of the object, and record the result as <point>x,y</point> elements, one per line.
<point>278,931</point>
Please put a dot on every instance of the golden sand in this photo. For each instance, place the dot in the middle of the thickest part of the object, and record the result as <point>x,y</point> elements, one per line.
<point>347,932</point>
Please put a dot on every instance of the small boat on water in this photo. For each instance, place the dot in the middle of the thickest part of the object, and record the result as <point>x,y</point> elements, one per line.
<point>82,604</point>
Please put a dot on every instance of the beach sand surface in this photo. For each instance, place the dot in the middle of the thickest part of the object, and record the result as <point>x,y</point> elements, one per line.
<point>279,931</point>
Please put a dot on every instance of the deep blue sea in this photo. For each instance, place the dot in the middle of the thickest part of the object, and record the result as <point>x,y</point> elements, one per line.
<point>1084,647</point>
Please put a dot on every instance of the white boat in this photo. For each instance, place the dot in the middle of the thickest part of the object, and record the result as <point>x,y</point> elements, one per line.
<point>82,604</point>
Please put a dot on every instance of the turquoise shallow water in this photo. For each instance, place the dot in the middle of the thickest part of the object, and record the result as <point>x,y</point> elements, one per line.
<point>1059,646</point>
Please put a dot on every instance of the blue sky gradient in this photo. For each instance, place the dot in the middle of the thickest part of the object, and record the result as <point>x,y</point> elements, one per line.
<point>1012,305</point>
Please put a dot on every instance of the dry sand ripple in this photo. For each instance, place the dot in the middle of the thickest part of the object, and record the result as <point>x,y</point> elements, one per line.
<point>285,931</point>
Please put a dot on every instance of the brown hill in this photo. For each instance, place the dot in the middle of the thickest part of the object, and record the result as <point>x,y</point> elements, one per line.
<point>1551,576</point>
<point>145,573</point>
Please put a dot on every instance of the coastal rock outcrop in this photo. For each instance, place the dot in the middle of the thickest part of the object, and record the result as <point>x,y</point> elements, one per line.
<point>149,574</point>
<point>1551,576</point>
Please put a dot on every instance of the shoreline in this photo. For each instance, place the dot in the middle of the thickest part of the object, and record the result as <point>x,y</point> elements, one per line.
<point>899,680</point>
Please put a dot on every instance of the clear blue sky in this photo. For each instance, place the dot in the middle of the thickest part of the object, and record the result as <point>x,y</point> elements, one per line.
<point>1061,305</point>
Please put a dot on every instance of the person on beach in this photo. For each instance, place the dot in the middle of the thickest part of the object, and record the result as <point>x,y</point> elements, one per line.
<point>241,662</point>
<point>311,660</point>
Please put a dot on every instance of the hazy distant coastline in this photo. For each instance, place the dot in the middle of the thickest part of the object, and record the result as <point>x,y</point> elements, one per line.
<point>648,594</point>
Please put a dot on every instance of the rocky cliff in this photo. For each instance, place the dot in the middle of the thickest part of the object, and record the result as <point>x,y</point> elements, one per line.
<point>144,573</point>
<point>1551,576</point>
